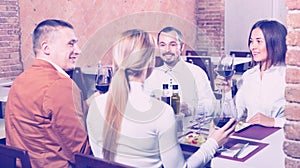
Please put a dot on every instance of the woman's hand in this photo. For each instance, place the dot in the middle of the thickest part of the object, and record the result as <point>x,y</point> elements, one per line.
<point>223,83</point>
<point>221,134</point>
<point>262,119</point>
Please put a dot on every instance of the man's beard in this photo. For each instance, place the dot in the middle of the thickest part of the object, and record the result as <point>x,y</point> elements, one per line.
<point>170,62</point>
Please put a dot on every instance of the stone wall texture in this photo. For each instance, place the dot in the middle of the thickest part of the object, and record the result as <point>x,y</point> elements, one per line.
<point>291,144</point>
<point>10,60</point>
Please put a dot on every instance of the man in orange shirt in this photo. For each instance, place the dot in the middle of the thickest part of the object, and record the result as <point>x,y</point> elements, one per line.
<point>44,112</point>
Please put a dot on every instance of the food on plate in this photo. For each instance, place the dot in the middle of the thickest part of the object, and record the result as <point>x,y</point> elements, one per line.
<point>195,139</point>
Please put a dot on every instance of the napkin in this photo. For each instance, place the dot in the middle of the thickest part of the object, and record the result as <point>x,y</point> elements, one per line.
<point>235,148</point>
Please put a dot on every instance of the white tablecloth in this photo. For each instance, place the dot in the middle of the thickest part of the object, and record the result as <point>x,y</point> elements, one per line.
<point>271,156</point>
<point>2,129</point>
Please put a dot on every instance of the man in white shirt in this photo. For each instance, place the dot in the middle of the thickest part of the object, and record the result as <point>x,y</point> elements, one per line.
<point>193,83</point>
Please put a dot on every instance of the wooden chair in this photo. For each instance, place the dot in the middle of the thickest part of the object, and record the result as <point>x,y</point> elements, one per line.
<point>88,161</point>
<point>77,76</point>
<point>205,63</point>
<point>9,156</point>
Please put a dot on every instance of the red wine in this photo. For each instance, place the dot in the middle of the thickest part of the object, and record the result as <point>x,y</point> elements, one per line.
<point>226,73</point>
<point>220,122</point>
<point>102,87</point>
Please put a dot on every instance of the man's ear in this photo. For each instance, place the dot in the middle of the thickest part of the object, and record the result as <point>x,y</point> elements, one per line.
<point>181,48</point>
<point>45,47</point>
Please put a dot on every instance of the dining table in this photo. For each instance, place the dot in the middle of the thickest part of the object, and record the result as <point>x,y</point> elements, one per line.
<point>264,147</point>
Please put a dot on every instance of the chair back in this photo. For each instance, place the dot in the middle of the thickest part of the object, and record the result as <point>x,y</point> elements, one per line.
<point>78,78</point>
<point>194,53</point>
<point>9,156</point>
<point>205,63</point>
<point>88,161</point>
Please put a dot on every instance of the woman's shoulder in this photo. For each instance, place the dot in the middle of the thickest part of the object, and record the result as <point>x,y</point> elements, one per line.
<point>97,102</point>
<point>163,107</point>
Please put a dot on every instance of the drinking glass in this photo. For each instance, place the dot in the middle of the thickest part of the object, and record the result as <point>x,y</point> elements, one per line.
<point>103,78</point>
<point>224,110</point>
<point>225,66</point>
<point>201,116</point>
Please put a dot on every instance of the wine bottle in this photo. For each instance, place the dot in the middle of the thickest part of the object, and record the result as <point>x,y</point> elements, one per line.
<point>165,94</point>
<point>175,99</point>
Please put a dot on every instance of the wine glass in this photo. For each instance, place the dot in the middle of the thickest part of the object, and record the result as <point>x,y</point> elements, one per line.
<point>202,116</point>
<point>103,78</point>
<point>225,66</point>
<point>224,110</point>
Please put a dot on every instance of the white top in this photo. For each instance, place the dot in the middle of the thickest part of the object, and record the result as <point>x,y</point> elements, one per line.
<point>193,83</point>
<point>264,95</point>
<point>148,135</point>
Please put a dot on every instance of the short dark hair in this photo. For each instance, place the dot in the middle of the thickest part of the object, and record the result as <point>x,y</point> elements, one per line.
<point>275,37</point>
<point>169,29</point>
<point>47,26</point>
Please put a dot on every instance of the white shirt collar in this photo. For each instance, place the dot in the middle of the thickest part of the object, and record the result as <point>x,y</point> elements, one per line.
<point>59,69</point>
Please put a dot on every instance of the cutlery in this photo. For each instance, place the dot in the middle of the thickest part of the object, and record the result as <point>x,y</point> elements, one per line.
<point>241,150</point>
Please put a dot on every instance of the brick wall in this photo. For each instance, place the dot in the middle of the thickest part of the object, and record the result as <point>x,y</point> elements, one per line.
<point>10,64</point>
<point>291,144</point>
<point>210,21</point>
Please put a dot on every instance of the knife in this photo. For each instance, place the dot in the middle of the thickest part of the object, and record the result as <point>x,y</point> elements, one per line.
<point>241,150</point>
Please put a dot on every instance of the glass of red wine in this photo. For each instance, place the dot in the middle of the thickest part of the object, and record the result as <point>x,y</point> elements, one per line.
<point>103,78</point>
<point>225,66</point>
<point>224,110</point>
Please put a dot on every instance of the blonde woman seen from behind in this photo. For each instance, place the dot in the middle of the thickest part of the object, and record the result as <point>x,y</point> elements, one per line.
<point>127,126</point>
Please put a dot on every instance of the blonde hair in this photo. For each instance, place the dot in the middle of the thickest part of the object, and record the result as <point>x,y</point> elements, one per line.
<point>132,54</point>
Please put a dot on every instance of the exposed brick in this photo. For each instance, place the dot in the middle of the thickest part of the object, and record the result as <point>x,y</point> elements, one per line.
<point>292,163</point>
<point>292,93</point>
<point>10,64</point>
<point>210,21</point>
<point>291,129</point>
<point>9,75</point>
<point>292,148</point>
<point>292,57</point>
<point>12,2</point>
<point>293,38</point>
<point>8,14</point>
<point>10,38</point>
<point>293,20</point>
<point>292,111</point>
<point>292,4</point>
<point>291,72</point>
<point>8,50</point>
